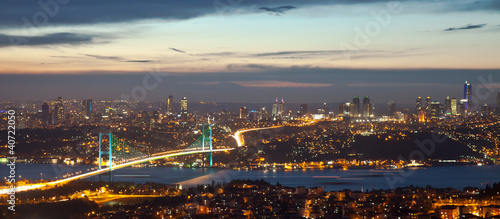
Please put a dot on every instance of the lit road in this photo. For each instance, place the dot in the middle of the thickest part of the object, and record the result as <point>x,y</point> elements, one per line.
<point>241,142</point>
<point>116,166</point>
<point>239,138</point>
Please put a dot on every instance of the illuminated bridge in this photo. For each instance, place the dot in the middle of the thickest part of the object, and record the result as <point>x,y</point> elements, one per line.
<point>202,145</point>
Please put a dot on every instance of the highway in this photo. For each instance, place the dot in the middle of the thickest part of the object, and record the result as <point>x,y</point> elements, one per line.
<point>116,166</point>
<point>239,139</point>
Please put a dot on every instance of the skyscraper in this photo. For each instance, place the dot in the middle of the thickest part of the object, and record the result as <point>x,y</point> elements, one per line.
<point>59,110</point>
<point>467,95</point>
<point>355,107</point>
<point>274,112</point>
<point>435,110</point>
<point>454,106</point>
<point>170,104</point>
<point>391,107</point>
<point>498,103</point>
<point>419,104</point>
<point>303,110</point>
<point>88,108</point>
<point>243,112</point>
<point>366,107</point>
<point>45,113</point>
<point>447,103</point>
<point>278,108</point>
<point>281,108</point>
<point>326,110</point>
<point>184,108</point>
<point>427,104</point>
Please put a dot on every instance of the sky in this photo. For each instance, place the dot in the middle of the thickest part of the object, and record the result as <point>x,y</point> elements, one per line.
<point>248,50</point>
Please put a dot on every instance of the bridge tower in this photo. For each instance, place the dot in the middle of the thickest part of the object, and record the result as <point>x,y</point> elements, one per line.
<point>109,153</point>
<point>209,139</point>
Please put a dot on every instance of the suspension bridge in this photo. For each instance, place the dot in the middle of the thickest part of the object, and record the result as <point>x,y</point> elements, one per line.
<point>120,154</point>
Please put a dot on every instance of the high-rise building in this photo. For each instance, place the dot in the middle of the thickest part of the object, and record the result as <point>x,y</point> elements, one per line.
<point>88,108</point>
<point>435,110</point>
<point>498,103</point>
<point>45,113</point>
<point>454,106</point>
<point>278,109</point>
<point>169,106</point>
<point>303,110</point>
<point>344,109</point>
<point>341,109</point>
<point>485,109</point>
<point>427,104</point>
<point>467,95</point>
<point>419,104</point>
<point>391,107</point>
<point>243,112</point>
<point>326,109</point>
<point>355,107</point>
<point>447,103</point>
<point>59,110</point>
<point>281,108</point>
<point>366,107</point>
<point>184,108</point>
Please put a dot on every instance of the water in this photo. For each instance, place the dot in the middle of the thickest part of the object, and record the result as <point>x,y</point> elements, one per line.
<point>332,179</point>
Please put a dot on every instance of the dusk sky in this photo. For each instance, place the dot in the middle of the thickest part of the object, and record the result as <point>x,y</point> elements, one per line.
<point>249,50</point>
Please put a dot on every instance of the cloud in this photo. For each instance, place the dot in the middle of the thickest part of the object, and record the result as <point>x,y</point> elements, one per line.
<point>278,10</point>
<point>468,27</point>
<point>201,83</point>
<point>177,50</point>
<point>304,52</point>
<point>20,13</point>
<point>279,84</point>
<point>139,61</point>
<point>113,58</point>
<point>45,40</point>
<point>250,66</point>
<point>394,85</point>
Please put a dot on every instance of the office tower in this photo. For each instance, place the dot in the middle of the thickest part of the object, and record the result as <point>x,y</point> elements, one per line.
<point>281,108</point>
<point>454,106</point>
<point>447,103</point>
<point>355,107</point>
<point>278,108</point>
<point>392,107</point>
<point>348,109</point>
<point>366,107</point>
<point>88,108</point>
<point>45,113</point>
<point>498,103</point>
<point>427,104</point>
<point>326,109</point>
<point>435,110</point>
<point>419,104</point>
<point>422,115</point>
<point>169,105</point>
<point>243,112</point>
<point>372,108</point>
<point>302,111</point>
<point>274,112</point>
<point>341,109</point>
<point>184,108</point>
<point>485,109</point>
<point>59,110</point>
<point>460,107</point>
<point>467,95</point>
